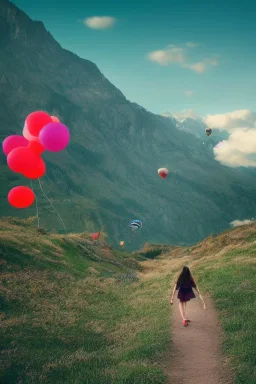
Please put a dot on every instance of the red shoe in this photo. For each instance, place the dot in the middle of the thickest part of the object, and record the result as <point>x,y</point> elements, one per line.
<point>185,323</point>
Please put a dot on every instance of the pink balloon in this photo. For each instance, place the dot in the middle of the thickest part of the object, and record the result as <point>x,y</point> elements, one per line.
<point>54,137</point>
<point>28,135</point>
<point>12,142</point>
<point>55,119</point>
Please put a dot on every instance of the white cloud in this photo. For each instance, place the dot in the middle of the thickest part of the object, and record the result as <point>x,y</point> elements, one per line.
<point>238,223</point>
<point>173,54</point>
<point>239,150</point>
<point>188,92</point>
<point>198,67</point>
<point>100,22</point>
<point>231,120</point>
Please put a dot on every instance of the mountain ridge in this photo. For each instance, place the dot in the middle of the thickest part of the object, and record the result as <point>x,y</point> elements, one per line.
<point>108,174</point>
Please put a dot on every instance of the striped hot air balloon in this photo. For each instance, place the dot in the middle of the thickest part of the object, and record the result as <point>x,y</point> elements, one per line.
<point>135,225</point>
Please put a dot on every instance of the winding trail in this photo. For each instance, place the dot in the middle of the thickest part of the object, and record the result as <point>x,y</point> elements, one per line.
<point>195,356</point>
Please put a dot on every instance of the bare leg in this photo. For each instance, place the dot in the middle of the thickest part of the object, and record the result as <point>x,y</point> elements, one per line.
<point>181,310</point>
<point>184,308</point>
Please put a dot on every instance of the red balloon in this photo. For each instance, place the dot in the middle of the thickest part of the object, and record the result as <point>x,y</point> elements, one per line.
<point>95,235</point>
<point>37,171</point>
<point>21,197</point>
<point>14,141</point>
<point>36,121</point>
<point>36,147</point>
<point>22,160</point>
<point>163,175</point>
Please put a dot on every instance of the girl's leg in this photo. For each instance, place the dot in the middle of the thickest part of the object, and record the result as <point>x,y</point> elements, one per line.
<point>181,310</point>
<point>184,308</point>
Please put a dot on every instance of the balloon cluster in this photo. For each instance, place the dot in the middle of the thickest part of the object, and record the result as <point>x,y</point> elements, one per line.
<point>41,132</point>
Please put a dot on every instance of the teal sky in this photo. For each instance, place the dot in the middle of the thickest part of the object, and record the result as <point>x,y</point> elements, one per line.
<point>224,32</point>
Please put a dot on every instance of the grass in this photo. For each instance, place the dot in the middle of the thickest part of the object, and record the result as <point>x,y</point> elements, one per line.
<point>74,311</point>
<point>77,311</point>
<point>233,288</point>
<point>225,267</point>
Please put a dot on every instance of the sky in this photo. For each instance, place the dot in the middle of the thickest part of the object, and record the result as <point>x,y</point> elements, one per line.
<point>167,56</point>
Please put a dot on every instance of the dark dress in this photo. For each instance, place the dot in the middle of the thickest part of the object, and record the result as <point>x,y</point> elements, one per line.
<point>185,291</point>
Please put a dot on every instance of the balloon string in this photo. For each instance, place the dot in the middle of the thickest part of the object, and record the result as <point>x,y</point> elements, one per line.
<point>52,205</point>
<point>37,213</point>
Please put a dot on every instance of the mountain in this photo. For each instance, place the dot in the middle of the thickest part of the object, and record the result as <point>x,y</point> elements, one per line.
<point>108,174</point>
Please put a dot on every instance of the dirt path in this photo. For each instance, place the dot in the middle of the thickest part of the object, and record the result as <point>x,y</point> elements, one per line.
<point>195,356</point>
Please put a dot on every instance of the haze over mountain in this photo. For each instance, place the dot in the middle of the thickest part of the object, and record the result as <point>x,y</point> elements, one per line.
<point>108,174</point>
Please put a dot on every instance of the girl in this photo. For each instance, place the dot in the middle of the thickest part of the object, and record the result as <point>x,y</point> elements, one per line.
<point>184,284</point>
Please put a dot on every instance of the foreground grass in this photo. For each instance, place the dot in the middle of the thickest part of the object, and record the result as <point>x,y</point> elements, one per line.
<point>233,288</point>
<point>76,311</point>
<point>224,267</point>
<point>73,311</point>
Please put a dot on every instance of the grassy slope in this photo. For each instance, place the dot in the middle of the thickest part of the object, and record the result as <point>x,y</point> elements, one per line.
<point>73,310</point>
<point>224,266</point>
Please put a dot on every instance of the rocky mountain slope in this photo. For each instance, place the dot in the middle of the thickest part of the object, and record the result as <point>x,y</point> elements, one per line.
<point>108,174</point>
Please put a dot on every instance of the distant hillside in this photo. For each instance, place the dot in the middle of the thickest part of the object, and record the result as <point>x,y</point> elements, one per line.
<point>108,174</point>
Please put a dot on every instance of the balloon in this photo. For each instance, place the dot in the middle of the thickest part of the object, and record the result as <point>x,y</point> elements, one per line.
<point>208,131</point>
<point>135,225</point>
<point>95,235</point>
<point>21,197</point>
<point>22,160</point>
<point>36,147</point>
<point>37,171</point>
<point>54,137</point>
<point>55,119</point>
<point>121,243</point>
<point>27,135</point>
<point>163,172</point>
<point>36,121</point>
<point>14,141</point>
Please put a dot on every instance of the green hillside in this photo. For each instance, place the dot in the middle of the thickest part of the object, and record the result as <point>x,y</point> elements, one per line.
<point>74,311</point>
<point>77,311</point>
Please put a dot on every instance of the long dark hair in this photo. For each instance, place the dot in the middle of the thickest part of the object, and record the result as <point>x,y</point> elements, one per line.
<point>184,277</point>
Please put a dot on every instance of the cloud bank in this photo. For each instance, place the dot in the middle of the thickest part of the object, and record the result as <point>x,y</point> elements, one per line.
<point>240,148</point>
<point>178,55</point>
<point>238,223</point>
<point>99,22</point>
<point>242,118</point>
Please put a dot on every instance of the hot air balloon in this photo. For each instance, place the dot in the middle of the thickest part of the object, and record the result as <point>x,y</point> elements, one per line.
<point>135,225</point>
<point>208,131</point>
<point>121,243</point>
<point>95,235</point>
<point>163,172</point>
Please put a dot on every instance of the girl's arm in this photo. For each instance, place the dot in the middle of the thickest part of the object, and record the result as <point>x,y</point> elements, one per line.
<point>196,287</point>
<point>174,289</point>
